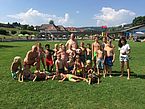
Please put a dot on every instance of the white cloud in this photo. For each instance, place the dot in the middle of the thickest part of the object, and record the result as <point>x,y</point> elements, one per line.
<point>111,17</point>
<point>34,17</point>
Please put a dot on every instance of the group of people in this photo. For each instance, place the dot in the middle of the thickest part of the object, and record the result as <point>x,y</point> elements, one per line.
<point>71,61</point>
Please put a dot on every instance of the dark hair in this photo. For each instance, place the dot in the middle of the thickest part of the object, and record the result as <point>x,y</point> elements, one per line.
<point>47,45</point>
<point>119,42</point>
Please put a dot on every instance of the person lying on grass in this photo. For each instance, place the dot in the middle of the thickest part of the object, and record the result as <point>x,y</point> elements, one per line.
<point>41,75</point>
<point>72,78</point>
<point>16,69</point>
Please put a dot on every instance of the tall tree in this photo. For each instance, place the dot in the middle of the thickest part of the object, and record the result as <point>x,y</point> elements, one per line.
<point>138,21</point>
<point>51,22</point>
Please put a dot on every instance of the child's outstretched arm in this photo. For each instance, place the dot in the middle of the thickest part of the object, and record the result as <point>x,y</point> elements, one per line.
<point>62,79</point>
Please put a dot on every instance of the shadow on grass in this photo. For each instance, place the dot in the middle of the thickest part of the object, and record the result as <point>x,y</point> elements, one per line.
<point>118,73</point>
<point>7,46</point>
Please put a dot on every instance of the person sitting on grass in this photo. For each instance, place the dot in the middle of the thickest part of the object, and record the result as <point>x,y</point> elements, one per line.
<point>16,69</point>
<point>78,67</point>
<point>72,78</point>
<point>70,64</point>
<point>93,77</point>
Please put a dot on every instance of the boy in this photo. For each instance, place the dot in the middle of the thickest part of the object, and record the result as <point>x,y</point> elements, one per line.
<point>109,57</point>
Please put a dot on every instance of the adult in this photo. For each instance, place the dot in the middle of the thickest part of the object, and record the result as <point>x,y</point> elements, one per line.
<point>32,59</point>
<point>72,42</point>
<point>124,55</point>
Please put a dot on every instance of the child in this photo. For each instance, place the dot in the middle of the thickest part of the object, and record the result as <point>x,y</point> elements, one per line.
<point>95,47</point>
<point>41,75</point>
<point>88,67</point>
<point>41,54</point>
<point>56,49</point>
<point>78,67</point>
<point>89,52</point>
<point>72,78</point>
<point>124,56</point>
<point>71,52</point>
<point>70,64</point>
<point>49,59</point>
<point>64,55</point>
<point>60,66</point>
<point>83,52</point>
<point>109,57</point>
<point>93,77</point>
<point>100,61</point>
<point>16,69</point>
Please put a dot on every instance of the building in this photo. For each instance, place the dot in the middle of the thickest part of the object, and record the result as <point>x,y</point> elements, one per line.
<point>47,30</point>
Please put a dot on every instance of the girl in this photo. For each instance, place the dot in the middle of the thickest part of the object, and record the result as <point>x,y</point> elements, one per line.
<point>16,69</point>
<point>124,52</point>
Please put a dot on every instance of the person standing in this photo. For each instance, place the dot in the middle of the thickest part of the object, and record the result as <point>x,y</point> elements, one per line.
<point>72,42</point>
<point>124,56</point>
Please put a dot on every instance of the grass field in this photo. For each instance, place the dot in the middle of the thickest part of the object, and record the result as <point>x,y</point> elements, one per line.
<point>112,93</point>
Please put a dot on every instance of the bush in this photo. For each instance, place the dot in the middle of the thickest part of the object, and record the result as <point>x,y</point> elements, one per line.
<point>13,32</point>
<point>4,32</point>
<point>24,32</point>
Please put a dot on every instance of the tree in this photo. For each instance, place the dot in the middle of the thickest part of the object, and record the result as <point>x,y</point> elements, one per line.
<point>51,22</point>
<point>13,32</point>
<point>4,32</point>
<point>138,21</point>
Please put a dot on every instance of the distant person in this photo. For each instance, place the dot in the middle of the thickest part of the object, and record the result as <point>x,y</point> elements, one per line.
<point>31,59</point>
<point>72,42</point>
<point>124,55</point>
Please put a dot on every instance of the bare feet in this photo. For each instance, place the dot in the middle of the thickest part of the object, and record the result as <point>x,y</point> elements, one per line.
<point>121,76</point>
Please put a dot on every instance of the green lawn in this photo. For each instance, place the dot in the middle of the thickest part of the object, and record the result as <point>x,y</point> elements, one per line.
<point>112,93</point>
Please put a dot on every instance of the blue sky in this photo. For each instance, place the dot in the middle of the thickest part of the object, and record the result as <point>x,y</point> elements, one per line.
<point>71,12</point>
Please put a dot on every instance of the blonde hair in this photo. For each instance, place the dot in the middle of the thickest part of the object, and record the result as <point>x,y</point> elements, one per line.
<point>88,61</point>
<point>17,59</point>
<point>56,45</point>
